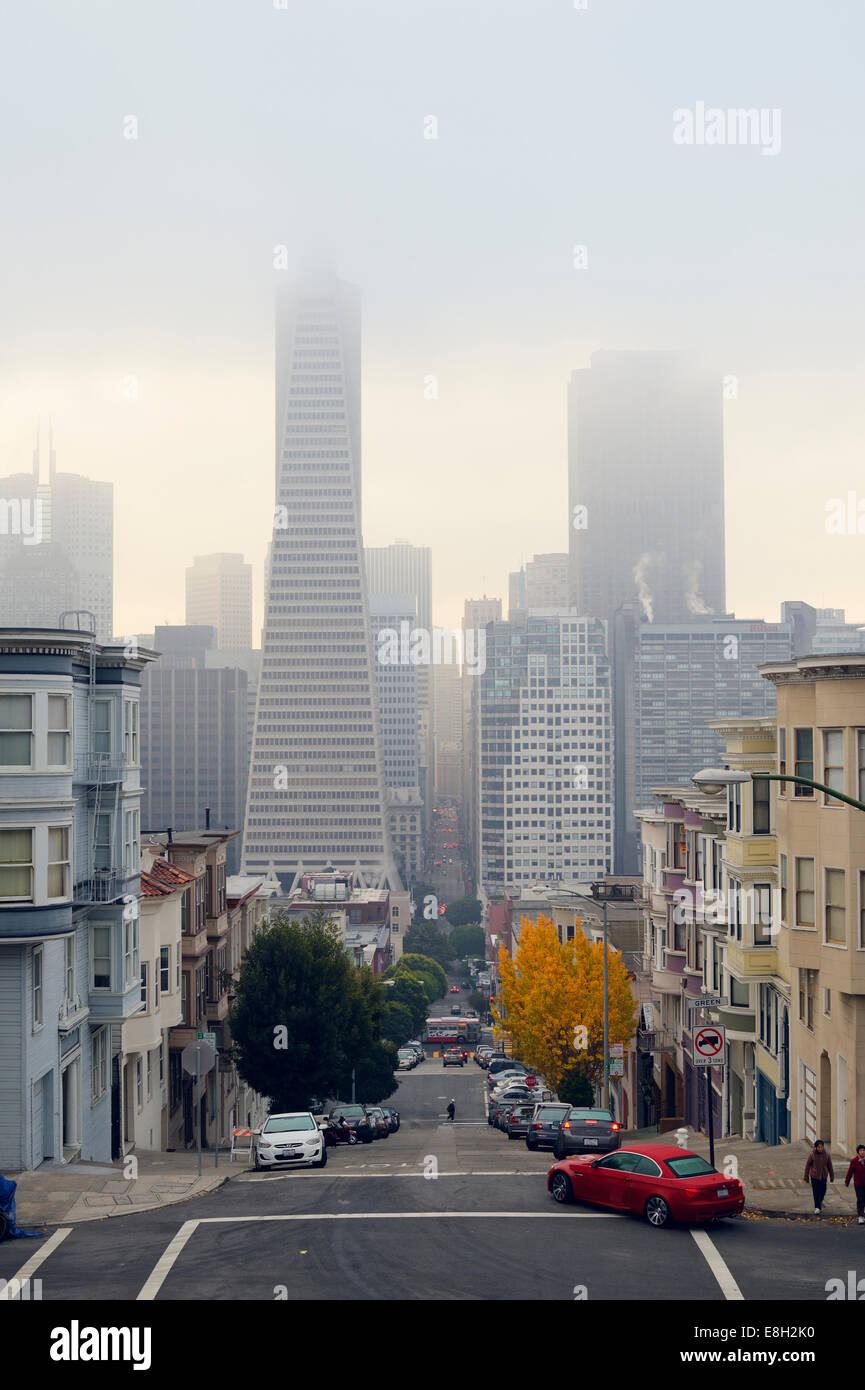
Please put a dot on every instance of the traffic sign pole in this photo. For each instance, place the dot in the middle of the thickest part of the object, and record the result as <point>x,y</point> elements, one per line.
<point>198,1098</point>
<point>711,1117</point>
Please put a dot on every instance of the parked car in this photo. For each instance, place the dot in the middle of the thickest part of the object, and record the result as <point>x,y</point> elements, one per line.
<point>290,1138</point>
<point>587,1131</point>
<point>518,1121</point>
<point>482,1054</point>
<point>657,1181</point>
<point>378,1119</point>
<point>418,1049</point>
<point>357,1118</point>
<point>546,1122</point>
<point>497,1078</point>
<point>453,1058</point>
<point>392,1117</point>
<point>406,1059</point>
<point>499,1062</point>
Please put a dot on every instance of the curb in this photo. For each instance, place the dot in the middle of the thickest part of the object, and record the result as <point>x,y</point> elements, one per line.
<point>128,1211</point>
<point>765,1212</point>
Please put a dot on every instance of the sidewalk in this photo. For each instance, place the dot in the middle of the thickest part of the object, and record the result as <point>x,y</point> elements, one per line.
<point>66,1193</point>
<point>771,1174</point>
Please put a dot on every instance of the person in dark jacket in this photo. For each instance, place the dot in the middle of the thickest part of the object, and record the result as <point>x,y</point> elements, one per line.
<point>856,1171</point>
<point>451,1109</point>
<point>819,1168</point>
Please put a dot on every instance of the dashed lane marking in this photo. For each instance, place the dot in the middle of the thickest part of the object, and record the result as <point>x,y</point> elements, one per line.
<point>7,1293</point>
<point>163,1265</point>
<point>727,1283</point>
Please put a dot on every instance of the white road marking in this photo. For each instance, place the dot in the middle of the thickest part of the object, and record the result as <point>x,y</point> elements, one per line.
<point>557,1215</point>
<point>471,1173</point>
<point>728,1285</point>
<point>51,1244</point>
<point>163,1265</point>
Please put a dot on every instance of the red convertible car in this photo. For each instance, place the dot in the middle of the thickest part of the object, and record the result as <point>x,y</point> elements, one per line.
<point>656,1181</point>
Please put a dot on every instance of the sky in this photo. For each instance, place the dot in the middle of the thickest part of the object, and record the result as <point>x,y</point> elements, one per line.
<point>155,156</point>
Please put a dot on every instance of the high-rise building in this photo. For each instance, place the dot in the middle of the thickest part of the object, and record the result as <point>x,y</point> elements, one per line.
<point>544,799</point>
<point>219,594</point>
<point>392,615</point>
<point>317,792</point>
<point>194,737</point>
<point>407,569</point>
<point>542,583</point>
<point>477,612</point>
<point>646,487</point>
<point>672,680</point>
<point>822,630</point>
<point>56,548</point>
<point>448,730</point>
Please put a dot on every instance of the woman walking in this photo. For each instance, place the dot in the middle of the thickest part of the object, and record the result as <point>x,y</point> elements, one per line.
<point>856,1171</point>
<point>818,1169</point>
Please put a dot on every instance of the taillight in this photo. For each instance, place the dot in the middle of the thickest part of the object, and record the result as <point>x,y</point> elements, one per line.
<point>590,1122</point>
<point>614,1125</point>
<point>537,1126</point>
<point>693,1191</point>
<point>566,1124</point>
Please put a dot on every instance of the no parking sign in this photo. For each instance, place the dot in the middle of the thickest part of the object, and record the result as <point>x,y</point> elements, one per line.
<point>709,1046</point>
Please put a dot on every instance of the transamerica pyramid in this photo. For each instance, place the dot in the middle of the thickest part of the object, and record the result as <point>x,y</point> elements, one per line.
<point>316,790</point>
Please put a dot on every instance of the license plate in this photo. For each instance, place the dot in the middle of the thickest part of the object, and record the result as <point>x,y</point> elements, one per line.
<point>592,1142</point>
<point>723,1192</point>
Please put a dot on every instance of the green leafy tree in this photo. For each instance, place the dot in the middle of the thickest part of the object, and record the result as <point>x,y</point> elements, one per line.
<point>426,939</point>
<point>463,912</point>
<point>418,964</point>
<point>398,1022</point>
<point>409,990</point>
<point>303,1012</point>
<point>374,1078</point>
<point>467,940</point>
<point>577,1089</point>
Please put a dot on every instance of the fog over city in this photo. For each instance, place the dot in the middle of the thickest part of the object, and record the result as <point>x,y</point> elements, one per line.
<point>432,670</point>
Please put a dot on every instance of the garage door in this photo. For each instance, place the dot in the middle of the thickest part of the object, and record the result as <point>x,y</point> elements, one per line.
<point>808,1096</point>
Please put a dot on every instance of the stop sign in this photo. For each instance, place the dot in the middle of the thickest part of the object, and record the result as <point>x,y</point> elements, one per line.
<point>531,1081</point>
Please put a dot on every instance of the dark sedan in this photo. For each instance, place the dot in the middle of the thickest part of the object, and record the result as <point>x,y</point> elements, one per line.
<point>546,1122</point>
<point>587,1131</point>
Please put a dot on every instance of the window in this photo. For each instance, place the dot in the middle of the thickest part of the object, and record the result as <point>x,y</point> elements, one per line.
<point>761,805</point>
<point>99,1063</point>
<point>220,889</point>
<point>807,987</point>
<point>16,730</point>
<point>131,847</point>
<point>130,731</point>
<point>827,1003</point>
<point>177,959</point>
<point>69,969</point>
<point>200,906</point>
<point>734,808</point>
<point>131,963</point>
<point>162,1062</point>
<point>165,968</point>
<point>862,909</point>
<point>735,926</point>
<point>804,892</point>
<point>184,913</point>
<point>100,730</point>
<point>782,760</point>
<point>16,865</point>
<point>833,763</point>
<point>38,1001</point>
<point>102,855</point>
<point>783,888</point>
<point>184,998</point>
<point>149,1074</point>
<point>201,991</point>
<point>58,731</point>
<point>209,890</point>
<point>139,1082</point>
<point>762,919</point>
<point>101,957</point>
<point>835,907</point>
<point>58,861</point>
<point>156,983</point>
<point>739,993</point>
<point>860,763</point>
<point>144,974</point>
<point>175,1078</point>
<point>804,753</point>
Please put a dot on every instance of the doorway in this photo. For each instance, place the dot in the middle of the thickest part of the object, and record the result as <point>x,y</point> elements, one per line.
<point>842,1103</point>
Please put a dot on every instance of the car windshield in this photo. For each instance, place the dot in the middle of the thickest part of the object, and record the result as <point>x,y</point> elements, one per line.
<point>279,1124</point>
<point>690,1166</point>
<point>351,1112</point>
<point>547,1113</point>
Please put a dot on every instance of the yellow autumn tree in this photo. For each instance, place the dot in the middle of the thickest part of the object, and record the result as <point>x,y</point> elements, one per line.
<point>551,999</point>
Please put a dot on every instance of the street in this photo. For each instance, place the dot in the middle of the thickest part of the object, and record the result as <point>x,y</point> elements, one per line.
<point>437,1211</point>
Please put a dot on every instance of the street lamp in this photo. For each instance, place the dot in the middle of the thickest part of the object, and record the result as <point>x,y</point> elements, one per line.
<point>609,892</point>
<point>714,780</point>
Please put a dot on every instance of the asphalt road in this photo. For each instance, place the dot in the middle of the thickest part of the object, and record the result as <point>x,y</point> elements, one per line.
<point>438,1211</point>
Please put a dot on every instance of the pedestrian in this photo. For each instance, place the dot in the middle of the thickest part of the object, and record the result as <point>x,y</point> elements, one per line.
<point>452,1110</point>
<point>856,1171</point>
<point>819,1168</point>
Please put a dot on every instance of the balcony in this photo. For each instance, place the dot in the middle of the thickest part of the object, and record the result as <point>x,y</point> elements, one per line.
<point>99,768</point>
<point>656,1040</point>
<point>669,978</point>
<point>106,886</point>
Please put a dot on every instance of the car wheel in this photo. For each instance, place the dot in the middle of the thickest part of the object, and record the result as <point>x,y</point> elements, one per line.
<point>352,1138</point>
<point>532,1148</point>
<point>511,1136</point>
<point>367,1138</point>
<point>657,1212</point>
<point>257,1164</point>
<point>558,1152</point>
<point>561,1188</point>
<point>320,1162</point>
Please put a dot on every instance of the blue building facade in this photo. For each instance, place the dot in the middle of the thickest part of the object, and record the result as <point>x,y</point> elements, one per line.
<point>70,973</point>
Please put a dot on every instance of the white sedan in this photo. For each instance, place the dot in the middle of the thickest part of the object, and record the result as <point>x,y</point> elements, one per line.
<point>293,1138</point>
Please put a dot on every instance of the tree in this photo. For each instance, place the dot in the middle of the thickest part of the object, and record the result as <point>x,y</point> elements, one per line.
<point>422,965</point>
<point>374,1078</point>
<point>464,911</point>
<point>426,939</point>
<point>551,1002</point>
<point>408,989</point>
<point>467,940</point>
<point>303,1012</point>
<point>398,1022</point>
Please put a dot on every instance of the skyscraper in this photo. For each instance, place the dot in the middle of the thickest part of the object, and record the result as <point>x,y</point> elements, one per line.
<point>542,583</point>
<point>56,548</point>
<point>219,594</point>
<point>316,795</point>
<point>646,487</point>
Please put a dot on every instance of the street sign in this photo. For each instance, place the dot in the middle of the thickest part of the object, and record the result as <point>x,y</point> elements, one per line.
<point>208,1038</point>
<point>708,1001</point>
<point>709,1046</point>
<point>617,1066</point>
<point>207,1057</point>
<point>617,1049</point>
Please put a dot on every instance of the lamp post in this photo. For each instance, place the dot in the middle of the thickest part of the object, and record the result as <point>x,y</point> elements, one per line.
<point>714,780</point>
<point>604,892</point>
